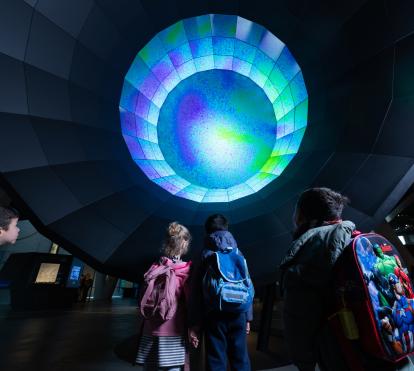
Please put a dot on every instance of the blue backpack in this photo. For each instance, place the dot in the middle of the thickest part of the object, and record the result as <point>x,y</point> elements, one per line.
<point>227,285</point>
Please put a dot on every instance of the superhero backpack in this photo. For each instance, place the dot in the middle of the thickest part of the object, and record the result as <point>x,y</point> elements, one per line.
<point>374,300</point>
<point>227,285</point>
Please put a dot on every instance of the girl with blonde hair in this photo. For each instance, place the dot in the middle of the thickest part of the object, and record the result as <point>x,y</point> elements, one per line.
<point>163,344</point>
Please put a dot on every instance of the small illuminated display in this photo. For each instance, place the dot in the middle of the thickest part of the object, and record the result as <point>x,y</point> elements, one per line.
<point>47,273</point>
<point>75,273</point>
<point>213,108</point>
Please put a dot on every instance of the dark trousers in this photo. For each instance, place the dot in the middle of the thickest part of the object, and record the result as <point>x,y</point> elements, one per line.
<point>226,338</point>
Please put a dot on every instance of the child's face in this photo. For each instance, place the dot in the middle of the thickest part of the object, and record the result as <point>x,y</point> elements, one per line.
<point>10,236</point>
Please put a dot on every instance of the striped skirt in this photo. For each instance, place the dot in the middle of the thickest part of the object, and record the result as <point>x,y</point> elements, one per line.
<point>161,351</point>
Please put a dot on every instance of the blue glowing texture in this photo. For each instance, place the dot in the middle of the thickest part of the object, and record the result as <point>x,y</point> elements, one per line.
<point>211,131</point>
<point>213,108</point>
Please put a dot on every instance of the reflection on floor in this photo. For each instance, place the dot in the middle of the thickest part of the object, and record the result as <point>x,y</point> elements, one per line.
<point>91,337</point>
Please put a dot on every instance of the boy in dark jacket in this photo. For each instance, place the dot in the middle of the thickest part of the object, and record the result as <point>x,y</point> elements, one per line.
<point>319,240</point>
<point>225,332</point>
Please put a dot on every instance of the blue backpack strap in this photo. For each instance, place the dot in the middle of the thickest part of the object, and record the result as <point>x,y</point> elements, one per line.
<point>232,266</point>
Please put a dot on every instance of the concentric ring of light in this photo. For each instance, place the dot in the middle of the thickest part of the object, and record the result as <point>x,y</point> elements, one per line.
<point>200,44</point>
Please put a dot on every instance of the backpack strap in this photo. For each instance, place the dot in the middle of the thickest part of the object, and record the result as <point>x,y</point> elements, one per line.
<point>235,257</point>
<point>169,295</point>
<point>355,233</point>
<point>146,296</point>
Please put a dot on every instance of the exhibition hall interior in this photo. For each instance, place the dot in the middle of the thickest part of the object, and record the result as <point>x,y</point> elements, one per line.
<point>120,117</point>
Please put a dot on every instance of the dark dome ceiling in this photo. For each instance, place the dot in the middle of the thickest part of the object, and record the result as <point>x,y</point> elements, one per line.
<point>64,161</point>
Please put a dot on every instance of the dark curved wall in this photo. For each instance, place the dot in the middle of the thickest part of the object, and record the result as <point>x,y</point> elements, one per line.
<point>64,161</point>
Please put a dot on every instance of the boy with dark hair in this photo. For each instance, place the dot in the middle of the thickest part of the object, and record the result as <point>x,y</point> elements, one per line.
<point>9,231</point>
<point>319,239</point>
<point>225,331</point>
<point>216,222</point>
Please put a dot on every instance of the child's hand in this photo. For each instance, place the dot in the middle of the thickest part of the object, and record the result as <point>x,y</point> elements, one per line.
<point>248,328</point>
<point>193,338</point>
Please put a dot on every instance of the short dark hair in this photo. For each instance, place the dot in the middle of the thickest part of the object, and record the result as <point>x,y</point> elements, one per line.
<point>216,222</point>
<point>321,204</point>
<point>7,214</point>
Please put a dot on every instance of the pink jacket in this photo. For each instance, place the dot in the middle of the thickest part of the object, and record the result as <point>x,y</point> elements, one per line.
<point>177,325</point>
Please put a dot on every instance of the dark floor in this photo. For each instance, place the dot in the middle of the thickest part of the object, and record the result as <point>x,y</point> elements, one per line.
<point>90,337</point>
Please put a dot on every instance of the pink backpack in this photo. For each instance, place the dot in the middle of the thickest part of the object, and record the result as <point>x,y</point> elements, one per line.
<point>162,291</point>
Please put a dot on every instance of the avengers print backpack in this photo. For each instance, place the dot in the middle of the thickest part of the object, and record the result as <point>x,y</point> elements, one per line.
<point>374,300</point>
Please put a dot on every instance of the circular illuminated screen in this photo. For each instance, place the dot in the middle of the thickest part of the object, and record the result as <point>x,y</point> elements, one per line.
<point>213,108</point>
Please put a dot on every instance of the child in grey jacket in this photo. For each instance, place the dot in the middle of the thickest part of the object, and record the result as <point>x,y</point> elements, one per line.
<point>319,240</point>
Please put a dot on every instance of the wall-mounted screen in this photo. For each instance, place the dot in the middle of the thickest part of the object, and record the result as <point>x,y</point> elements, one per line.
<point>75,272</point>
<point>47,273</point>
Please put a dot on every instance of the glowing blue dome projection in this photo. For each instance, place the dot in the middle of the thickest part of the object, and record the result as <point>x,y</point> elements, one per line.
<point>213,108</point>
<point>219,146</point>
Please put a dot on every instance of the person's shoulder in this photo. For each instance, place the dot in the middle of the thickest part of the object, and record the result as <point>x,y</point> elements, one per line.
<point>185,263</point>
<point>347,224</point>
<point>239,252</point>
<point>206,253</point>
<point>344,228</point>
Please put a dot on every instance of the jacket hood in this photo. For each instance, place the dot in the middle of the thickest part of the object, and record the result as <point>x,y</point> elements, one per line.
<point>182,267</point>
<point>335,235</point>
<point>220,240</point>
